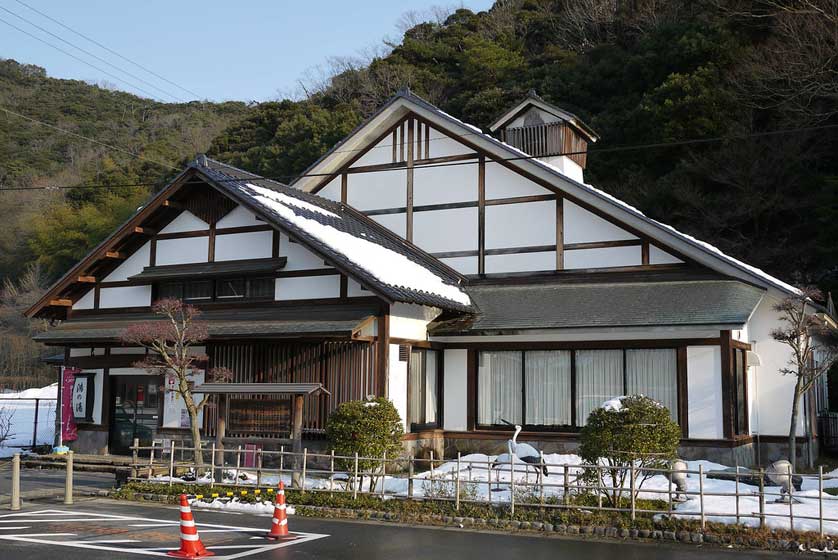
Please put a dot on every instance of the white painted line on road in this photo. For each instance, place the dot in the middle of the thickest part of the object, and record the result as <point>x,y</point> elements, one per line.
<point>10,528</point>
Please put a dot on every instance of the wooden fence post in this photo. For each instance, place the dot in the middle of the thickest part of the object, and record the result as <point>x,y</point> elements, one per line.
<point>701,493</point>
<point>303,480</point>
<point>410,478</point>
<point>761,498</point>
<point>332,472</point>
<point>135,459</point>
<point>357,482</point>
<point>212,466</point>
<point>172,463</point>
<point>632,478</point>
<point>151,462</point>
<point>383,472</point>
<point>457,485</point>
<point>820,500</point>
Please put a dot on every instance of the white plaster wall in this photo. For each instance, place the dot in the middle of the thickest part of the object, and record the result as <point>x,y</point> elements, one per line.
<point>127,296</point>
<point>581,226</point>
<point>331,190</point>
<point>455,389</point>
<point>411,321</point>
<point>80,352</point>
<point>185,221</point>
<point>441,185</point>
<point>521,225</point>
<point>299,258</point>
<point>502,182</point>
<point>446,230</point>
<point>704,387</point>
<point>463,265</point>
<point>658,256</point>
<point>236,246</point>
<point>773,390</point>
<point>521,262</point>
<point>397,384</point>
<point>566,166</point>
<point>308,287</point>
<point>441,145</point>
<point>134,264</point>
<point>354,289</point>
<point>603,258</point>
<point>376,190</point>
<point>85,301</point>
<point>182,251</point>
<point>396,223</point>
<point>239,217</point>
<point>380,153</point>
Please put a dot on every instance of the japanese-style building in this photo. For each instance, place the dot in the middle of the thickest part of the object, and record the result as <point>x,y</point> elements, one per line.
<point>469,277</point>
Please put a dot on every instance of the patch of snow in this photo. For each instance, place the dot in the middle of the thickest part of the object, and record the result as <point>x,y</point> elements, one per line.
<point>235,505</point>
<point>290,200</point>
<point>388,266</point>
<point>21,407</point>
<point>613,405</point>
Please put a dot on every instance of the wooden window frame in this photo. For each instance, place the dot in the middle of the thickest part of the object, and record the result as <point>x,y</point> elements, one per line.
<point>419,427</point>
<point>473,365</point>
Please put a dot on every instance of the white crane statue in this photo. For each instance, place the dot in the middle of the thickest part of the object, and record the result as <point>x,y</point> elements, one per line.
<point>522,451</point>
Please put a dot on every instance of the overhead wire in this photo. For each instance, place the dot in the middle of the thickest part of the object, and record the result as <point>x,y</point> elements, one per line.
<point>656,145</point>
<point>83,61</point>
<point>113,52</point>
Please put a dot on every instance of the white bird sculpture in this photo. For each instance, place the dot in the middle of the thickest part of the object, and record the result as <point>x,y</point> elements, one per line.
<point>521,451</point>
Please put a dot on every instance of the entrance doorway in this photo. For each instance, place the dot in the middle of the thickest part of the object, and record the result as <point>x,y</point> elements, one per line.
<point>136,411</point>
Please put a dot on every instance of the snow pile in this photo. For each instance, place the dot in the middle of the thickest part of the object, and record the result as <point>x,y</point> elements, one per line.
<point>237,506</point>
<point>388,266</point>
<point>20,407</point>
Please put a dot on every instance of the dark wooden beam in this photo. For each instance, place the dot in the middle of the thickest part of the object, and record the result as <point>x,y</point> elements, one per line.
<point>644,252</point>
<point>145,231</point>
<point>86,279</point>
<point>603,244</point>
<point>481,215</point>
<point>683,393</point>
<point>61,302</point>
<point>383,357</point>
<point>560,246</point>
<point>725,339</point>
<point>409,203</point>
<point>115,255</point>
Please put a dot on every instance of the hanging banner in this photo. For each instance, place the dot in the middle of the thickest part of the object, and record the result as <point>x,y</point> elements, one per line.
<point>68,422</point>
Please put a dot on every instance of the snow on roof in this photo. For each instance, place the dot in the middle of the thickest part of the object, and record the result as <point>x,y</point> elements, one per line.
<point>384,264</point>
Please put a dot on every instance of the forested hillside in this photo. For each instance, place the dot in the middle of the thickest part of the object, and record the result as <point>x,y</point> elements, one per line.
<point>641,73</point>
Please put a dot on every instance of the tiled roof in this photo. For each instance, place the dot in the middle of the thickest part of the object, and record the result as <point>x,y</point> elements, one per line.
<point>626,304</point>
<point>365,250</point>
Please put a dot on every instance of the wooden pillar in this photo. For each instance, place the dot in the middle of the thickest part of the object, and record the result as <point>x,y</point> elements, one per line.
<point>383,358</point>
<point>728,386</point>
<point>220,432</point>
<point>297,437</point>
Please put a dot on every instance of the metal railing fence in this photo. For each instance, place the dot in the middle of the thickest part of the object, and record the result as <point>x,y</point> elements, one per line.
<point>460,480</point>
<point>32,421</point>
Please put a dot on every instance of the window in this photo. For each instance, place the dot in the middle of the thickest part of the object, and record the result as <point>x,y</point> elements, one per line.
<point>654,373</point>
<point>230,288</point>
<point>544,388</point>
<point>547,388</point>
<point>499,386</point>
<point>199,290</point>
<point>224,289</point>
<point>740,392</point>
<point>423,377</point>
<point>599,377</point>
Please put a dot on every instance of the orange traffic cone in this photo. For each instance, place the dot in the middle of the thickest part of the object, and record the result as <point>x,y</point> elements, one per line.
<point>279,523</point>
<point>190,543</point>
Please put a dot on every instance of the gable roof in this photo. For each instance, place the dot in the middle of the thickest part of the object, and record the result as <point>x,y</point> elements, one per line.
<point>534,100</point>
<point>405,103</point>
<point>357,246</point>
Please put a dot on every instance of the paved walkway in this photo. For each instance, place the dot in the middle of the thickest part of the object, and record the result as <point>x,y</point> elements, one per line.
<point>48,484</point>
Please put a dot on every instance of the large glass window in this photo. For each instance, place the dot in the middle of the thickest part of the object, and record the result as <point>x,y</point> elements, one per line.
<point>547,388</point>
<point>599,377</point>
<point>423,379</point>
<point>500,387</point>
<point>225,289</point>
<point>653,372</point>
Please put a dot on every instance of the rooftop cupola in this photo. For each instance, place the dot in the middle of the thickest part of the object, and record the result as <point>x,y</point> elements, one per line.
<point>548,133</point>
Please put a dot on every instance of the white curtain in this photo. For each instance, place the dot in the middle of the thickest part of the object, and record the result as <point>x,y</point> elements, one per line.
<point>499,387</point>
<point>654,373</point>
<point>547,388</point>
<point>430,386</point>
<point>599,377</point>
<point>414,406</point>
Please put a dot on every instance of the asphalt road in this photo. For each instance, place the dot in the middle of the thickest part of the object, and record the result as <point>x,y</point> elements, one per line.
<point>40,484</point>
<point>97,529</point>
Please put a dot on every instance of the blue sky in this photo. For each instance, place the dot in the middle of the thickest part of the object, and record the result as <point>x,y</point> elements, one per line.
<point>244,50</point>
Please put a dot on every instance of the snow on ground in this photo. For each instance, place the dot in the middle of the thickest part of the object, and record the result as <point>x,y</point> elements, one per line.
<point>719,495</point>
<point>23,418</point>
<point>234,505</point>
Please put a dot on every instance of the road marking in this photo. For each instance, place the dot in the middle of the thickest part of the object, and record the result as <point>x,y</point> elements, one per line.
<point>67,517</point>
<point>10,528</point>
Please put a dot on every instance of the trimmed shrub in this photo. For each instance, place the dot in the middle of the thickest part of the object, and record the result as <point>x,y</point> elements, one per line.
<point>634,430</point>
<point>369,428</point>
